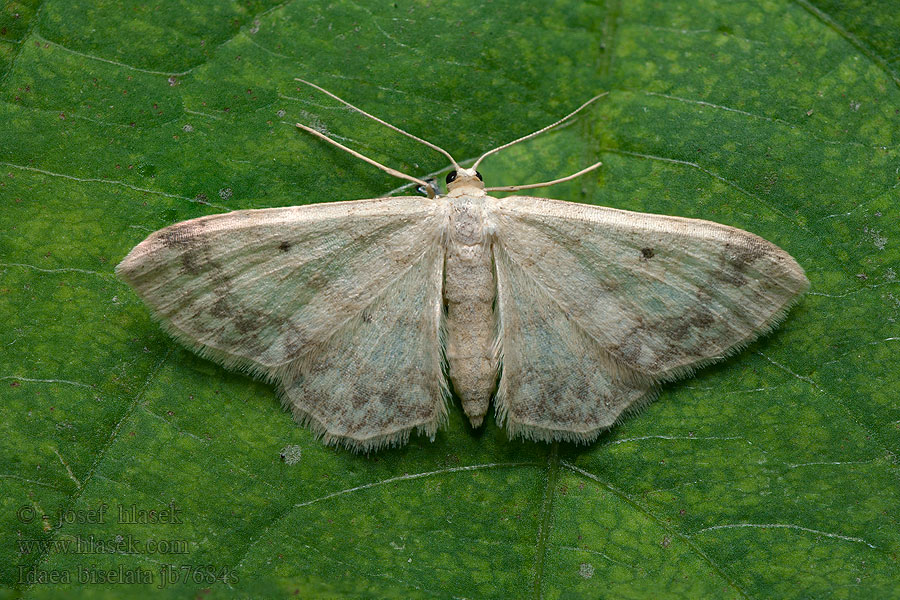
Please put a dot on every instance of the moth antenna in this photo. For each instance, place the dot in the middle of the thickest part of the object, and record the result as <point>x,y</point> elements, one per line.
<point>528,186</point>
<point>538,132</point>
<point>428,187</point>
<point>385,123</point>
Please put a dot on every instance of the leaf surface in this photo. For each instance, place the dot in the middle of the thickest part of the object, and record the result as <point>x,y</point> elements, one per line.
<point>772,474</point>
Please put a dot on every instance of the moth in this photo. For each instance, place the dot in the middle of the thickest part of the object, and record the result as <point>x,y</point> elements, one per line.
<point>366,314</point>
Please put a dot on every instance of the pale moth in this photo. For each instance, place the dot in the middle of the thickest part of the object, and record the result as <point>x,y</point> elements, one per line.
<point>568,315</point>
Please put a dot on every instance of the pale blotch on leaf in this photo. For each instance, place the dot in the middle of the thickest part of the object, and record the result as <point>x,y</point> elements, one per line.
<point>566,316</point>
<point>586,570</point>
<point>291,454</point>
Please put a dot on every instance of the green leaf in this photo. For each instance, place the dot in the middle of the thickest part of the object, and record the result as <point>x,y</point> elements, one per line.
<point>772,474</point>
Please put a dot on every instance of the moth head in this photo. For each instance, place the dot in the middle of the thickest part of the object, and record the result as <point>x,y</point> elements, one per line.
<point>464,178</point>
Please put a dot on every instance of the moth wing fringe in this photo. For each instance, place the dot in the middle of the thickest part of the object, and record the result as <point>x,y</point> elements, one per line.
<point>392,439</point>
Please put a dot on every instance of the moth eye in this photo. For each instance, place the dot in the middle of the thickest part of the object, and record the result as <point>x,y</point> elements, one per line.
<point>451,176</point>
<point>478,175</point>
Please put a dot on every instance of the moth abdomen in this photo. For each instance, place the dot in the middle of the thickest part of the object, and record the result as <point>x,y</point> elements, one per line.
<point>469,290</point>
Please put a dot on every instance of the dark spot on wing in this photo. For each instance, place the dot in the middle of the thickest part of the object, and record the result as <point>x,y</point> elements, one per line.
<point>647,253</point>
<point>186,239</point>
<point>191,262</point>
<point>403,414</point>
<point>737,260</point>
<point>359,399</point>
<point>702,318</point>
<point>558,403</point>
<point>284,246</point>
<point>249,321</point>
<point>678,330</point>
<point>391,395</point>
<point>731,276</point>
<point>697,319</point>
<point>221,308</point>
<point>740,256</point>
